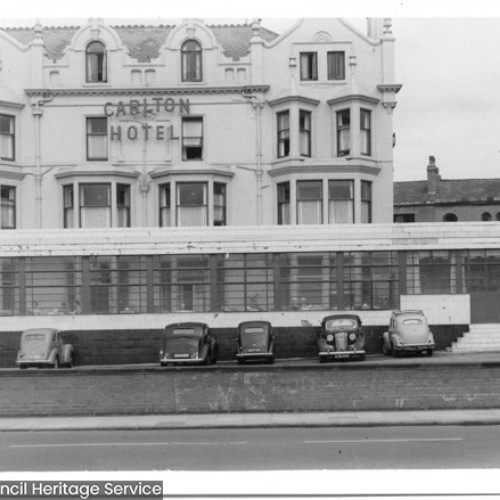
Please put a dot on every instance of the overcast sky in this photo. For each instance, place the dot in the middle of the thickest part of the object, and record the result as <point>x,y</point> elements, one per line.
<point>447,58</point>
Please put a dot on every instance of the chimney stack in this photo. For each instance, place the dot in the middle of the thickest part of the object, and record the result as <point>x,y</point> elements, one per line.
<point>433,179</point>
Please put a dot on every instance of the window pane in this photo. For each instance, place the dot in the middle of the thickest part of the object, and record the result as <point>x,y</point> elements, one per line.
<point>192,139</point>
<point>309,190</point>
<point>7,138</point>
<point>308,66</point>
<point>96,195</point>
<point>336,65</point>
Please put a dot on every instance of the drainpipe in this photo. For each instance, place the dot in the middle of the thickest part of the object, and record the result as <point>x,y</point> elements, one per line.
<point>37,113</point>
<point>257,104</point>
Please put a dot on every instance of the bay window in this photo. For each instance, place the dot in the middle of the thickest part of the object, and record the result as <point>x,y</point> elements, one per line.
<point>7,137</point>
<point>309,202</point>
<point>283,134</point>
<point>305,132</point>
<point>365,132</point>
<point>340,202</point>
<point>284,203</point>
<point>343,132</point>
<point>8,207</point>
<point>192,205</point>
<point>366,202</point>
<point>165,205</point>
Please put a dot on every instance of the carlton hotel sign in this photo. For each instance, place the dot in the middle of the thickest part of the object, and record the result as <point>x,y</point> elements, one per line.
<point>136,109</point>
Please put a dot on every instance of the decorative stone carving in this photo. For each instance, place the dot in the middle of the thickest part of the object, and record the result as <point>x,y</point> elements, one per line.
<point>322,36</point>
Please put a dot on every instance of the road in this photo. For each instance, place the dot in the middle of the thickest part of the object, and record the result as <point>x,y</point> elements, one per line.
<point>439,447</point>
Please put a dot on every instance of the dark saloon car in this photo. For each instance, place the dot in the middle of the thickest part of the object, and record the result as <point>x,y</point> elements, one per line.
<point>255,341</point>
<point>341,337</point>
<point>188,343</point>
<point>44,347</point>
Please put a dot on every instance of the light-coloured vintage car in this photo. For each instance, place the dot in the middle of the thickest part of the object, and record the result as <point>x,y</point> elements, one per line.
<point>408,332</point>
<point>45,347</point>
<point>255,341</point>
<point>341,337</point>
<point>188,343</point>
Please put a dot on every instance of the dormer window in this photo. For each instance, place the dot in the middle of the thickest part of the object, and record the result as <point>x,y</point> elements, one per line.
<point>191,62</point>
<point>96,62</point>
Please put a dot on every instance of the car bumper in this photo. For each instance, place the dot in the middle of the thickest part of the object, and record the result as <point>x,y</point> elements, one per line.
<point>255,355</point>
<point>342,354</point>
<point>185,361</point>
<point>414,347</point>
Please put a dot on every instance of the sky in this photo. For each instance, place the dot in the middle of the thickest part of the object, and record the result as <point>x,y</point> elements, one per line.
<point>447,58</point>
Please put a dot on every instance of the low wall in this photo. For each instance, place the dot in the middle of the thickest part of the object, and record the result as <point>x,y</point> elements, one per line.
<point>250,388</point>
<point>101,347</point>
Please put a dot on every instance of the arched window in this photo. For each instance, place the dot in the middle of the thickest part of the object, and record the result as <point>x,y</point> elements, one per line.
<point>450,218</point>
<point>96,62</point>
<point>191,62</point>
<point>486,217</point>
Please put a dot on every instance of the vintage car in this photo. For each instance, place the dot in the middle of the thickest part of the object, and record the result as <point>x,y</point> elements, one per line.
<point>408,332</point>
<point>341,337</point>
<point>44,347</point>
<point>188,343</point>
<point>255,341</point>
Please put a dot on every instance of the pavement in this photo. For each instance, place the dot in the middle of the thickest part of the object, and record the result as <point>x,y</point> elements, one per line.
<point>292,419</point>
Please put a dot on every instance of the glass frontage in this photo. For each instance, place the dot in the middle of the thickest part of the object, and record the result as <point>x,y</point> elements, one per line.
<point>285,281</point>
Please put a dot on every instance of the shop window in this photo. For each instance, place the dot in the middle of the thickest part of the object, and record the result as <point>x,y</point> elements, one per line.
<point>95,205</point>
<point>366,132</point>
<point>7,137</point>
<point>340,202</point>
<point>219,204</point>
<point>8,207</point>
<point>97,139</point>
<point>191,62</point>
<point>192,138</point>
<point>305,132</point>
<point>284,203</point>
<point>336,65</point>
<point>366,202</point>
<point>283,134</point>
<point>308,66</point>
<point>192,204</point>
<point>343,132</point>
<point>96,62</point>
<point>165,218</point>
<point>309,202</point>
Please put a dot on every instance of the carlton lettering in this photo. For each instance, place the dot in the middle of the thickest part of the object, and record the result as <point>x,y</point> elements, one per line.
<point>146,107</point>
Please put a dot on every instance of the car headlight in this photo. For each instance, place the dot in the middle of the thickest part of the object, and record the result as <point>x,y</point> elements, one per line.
<point>352,337</point>
<point>330,337</point>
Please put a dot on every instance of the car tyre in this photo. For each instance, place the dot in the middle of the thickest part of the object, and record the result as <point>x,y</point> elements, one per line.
<point>430,352</point>
<point>56,363</point>
<point>71,363</point>
<point>241,361</point>
<point>23,367</point>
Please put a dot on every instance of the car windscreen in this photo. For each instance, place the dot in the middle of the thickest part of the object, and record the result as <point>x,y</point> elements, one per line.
<point>336,324</point>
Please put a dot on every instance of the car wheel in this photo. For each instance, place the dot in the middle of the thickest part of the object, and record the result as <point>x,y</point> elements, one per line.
<point>429,352</point>
<point>56,363</point>
<point>271,361</point>
<point>240,361</point>
<point>394,353</point>
<point>322,359</point>
<point>71,362</point>
<point>23,367</point>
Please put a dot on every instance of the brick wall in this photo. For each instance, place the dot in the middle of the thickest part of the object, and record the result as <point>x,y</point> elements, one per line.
<point>251,388</point>
<point>98,347</point>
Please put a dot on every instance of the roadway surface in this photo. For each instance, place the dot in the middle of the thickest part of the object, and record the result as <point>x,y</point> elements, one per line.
<point>439,447</point>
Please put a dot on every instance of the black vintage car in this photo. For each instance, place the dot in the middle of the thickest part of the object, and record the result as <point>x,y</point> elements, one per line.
<point>255,341</point>
<point>188,343</point>
<point>341,337</point>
